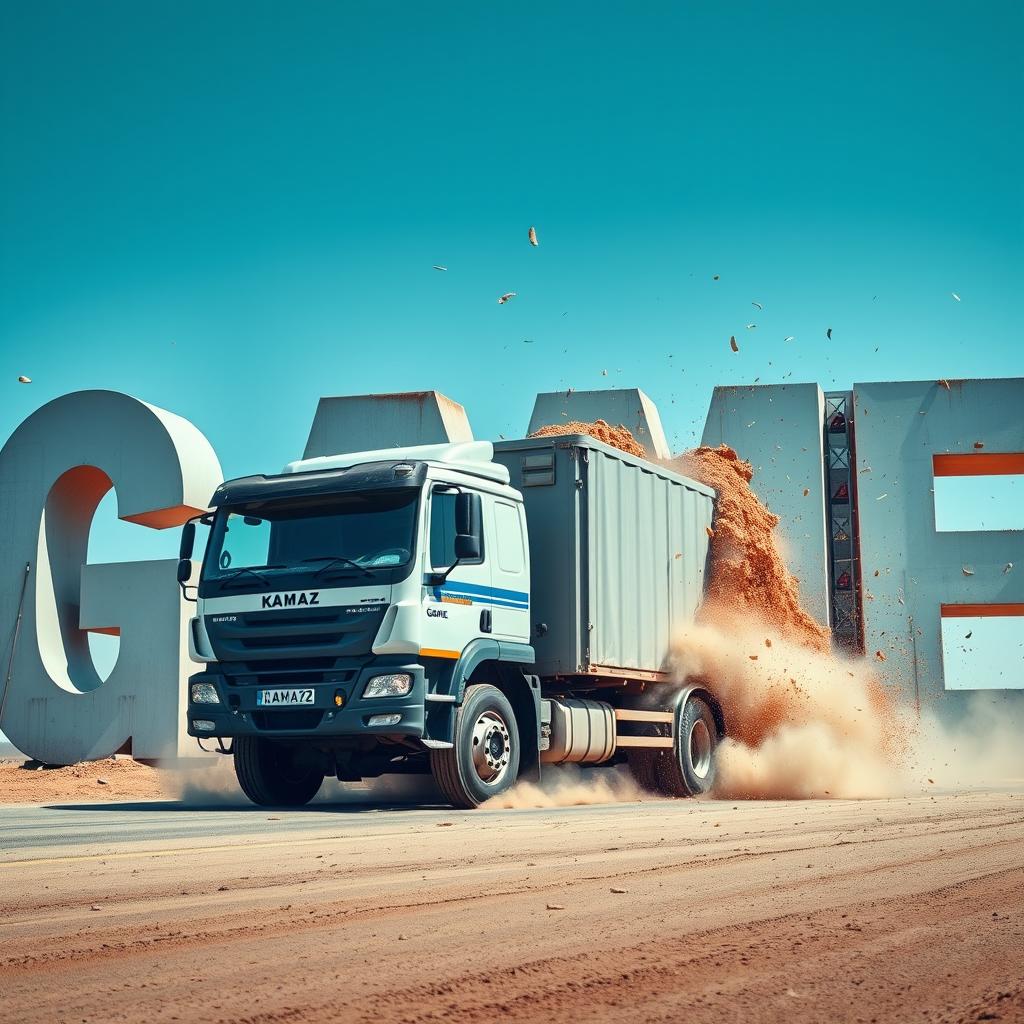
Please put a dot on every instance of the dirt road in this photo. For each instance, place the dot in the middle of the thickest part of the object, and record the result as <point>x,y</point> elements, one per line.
<point>909,909</point>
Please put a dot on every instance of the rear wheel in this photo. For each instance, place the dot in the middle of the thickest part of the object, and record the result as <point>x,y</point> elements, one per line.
<point>484,758</point>
<point>641,767</point>
<point>276,774</point>
<point>690,769</point>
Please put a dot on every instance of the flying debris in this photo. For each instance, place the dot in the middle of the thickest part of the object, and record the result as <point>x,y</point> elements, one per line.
<point>527,341</point>
<point>758,304</point>
<point>751,327</point>
<point>943,383</point>
<point>969,635</point>
<point>502,299</point>
<point>828,334</point>
<point>1007,567</point>
<point>715,277</point>
<point>437,266</point>
<point>966,571</point>
<point>955,296</point>
<point>24,380</point>
<point>604,373</point>
<point>733,345</point>
<point>979,444</point>
<point>533,236</point>
<point>789,338</point>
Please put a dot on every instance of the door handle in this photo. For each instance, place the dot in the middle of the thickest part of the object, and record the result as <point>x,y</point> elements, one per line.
<point>485,621</point>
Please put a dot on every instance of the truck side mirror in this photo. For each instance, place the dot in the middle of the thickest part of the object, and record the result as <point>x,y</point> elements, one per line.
<point>468,526</point>
<point>188,540</point>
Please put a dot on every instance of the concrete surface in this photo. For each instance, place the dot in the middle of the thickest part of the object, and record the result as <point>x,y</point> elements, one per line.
<point>887,910</point>
<point>899,427</point>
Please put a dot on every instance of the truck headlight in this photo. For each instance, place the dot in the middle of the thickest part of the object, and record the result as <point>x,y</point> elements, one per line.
<point>396,684</point>
<point>204,693</point>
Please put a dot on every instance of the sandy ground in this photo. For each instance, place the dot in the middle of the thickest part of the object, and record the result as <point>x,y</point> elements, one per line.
<point>110,779</point>
<point>885,910</point>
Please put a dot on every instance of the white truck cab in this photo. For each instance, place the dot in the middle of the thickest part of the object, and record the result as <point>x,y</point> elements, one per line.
<point>350,598</point>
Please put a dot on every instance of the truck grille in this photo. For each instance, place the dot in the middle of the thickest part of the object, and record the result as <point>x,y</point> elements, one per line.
<point>343,631</point>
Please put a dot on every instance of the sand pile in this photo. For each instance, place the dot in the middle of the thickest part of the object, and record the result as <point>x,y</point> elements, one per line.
<point>618,437</point>
<point>110,779</point>
<point>748,573</point>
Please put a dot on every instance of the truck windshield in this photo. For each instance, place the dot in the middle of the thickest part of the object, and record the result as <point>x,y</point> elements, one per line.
<point>345,534</point>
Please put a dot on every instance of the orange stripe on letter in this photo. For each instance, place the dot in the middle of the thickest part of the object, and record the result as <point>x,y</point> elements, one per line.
<point>979,464</point>
<point>980,611</point>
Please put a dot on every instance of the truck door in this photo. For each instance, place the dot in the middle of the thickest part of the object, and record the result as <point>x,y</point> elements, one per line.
<point>510,570</point>
<point>453,608</point>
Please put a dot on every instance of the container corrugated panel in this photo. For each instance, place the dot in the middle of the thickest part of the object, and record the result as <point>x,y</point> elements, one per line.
<point>618,553</point>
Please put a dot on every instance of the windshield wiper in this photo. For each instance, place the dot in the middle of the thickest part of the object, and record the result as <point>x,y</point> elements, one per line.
<point>330,560</point>
<point>252,572</point>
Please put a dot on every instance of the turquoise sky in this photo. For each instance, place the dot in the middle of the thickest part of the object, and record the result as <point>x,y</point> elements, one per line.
<point>231,209</point>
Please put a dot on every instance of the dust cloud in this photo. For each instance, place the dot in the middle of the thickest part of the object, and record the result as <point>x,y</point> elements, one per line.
<point>570,786</point>
<point>212,783</point>
<point>982,747</point>
<point>207,783</point>
<point>802,723</point>
<point>805,721</point>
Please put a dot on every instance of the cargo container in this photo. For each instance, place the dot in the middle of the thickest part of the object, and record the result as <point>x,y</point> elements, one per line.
<point>618,554</point>
<point>470,610</point>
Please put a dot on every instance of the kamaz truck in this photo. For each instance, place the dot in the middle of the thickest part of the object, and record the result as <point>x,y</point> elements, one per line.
<point>470,610</point>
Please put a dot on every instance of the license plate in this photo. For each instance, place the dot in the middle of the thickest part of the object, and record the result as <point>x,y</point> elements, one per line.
<point>283,698</point>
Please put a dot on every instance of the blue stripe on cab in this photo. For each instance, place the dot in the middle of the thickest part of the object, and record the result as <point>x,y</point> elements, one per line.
<point>491,595</point>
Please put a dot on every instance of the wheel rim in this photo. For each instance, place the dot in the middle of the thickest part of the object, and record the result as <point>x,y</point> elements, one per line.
<point>700,748</point>
<point>492,748</point>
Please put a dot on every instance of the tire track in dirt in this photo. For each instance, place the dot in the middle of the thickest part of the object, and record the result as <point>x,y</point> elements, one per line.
<point>597,985</point>
<point>711,926</point>
<point>238,926</point>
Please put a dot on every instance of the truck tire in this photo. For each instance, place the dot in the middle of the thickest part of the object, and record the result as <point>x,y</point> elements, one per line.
<point>484,758</point>
<point>690,768</point>
<point>641,767</point>
<point>273,774</point>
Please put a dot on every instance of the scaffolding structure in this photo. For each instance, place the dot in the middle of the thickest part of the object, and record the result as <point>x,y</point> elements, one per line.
<point>844,540</point>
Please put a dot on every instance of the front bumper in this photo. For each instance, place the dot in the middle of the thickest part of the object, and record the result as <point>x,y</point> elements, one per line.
<point>238,714</point>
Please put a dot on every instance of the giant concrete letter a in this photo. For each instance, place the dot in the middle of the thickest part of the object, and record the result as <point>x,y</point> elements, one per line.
<point>53,472</point>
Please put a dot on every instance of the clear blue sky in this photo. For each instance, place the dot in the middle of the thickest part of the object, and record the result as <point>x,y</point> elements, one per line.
<point>231,209</point>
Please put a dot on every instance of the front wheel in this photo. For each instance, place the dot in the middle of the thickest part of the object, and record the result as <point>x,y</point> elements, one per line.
<point>484,758</point>
<point>690,768</point>
<point>276,774</point>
